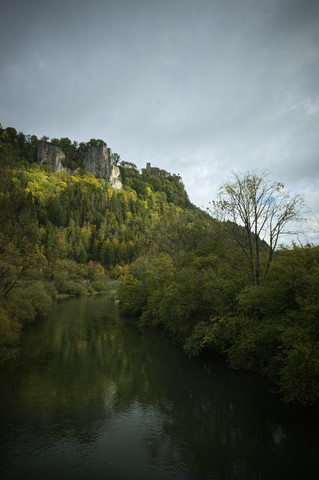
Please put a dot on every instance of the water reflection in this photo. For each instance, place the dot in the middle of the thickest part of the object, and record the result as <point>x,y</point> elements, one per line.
<point>93,395</point>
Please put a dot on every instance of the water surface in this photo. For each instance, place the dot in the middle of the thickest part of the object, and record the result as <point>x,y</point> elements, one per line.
<point>93,396</point>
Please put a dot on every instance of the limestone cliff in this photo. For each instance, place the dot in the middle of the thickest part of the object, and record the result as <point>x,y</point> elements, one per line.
<point>50,155</point>
<point>99,161</point>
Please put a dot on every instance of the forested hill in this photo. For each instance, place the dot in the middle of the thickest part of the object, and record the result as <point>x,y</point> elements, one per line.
<point>79,216</point>
<point>63,233</point>
<point>216,285</point>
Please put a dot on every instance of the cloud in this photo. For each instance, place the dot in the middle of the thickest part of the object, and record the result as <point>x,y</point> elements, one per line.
<point>198,88</point>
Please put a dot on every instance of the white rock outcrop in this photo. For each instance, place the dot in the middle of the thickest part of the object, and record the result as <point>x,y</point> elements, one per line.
<point>52,156</point>
<point>99,161</point>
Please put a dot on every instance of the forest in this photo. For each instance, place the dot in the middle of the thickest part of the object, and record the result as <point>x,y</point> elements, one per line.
<point>212,279</point>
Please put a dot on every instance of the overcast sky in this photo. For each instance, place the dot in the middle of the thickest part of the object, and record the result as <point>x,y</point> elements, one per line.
<point>198,87</point>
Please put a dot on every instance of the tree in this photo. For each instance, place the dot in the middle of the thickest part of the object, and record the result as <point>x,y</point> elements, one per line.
<point>262,208</point>
<point>3,133</point>
<point>96,142</point>
<point>116,158</point>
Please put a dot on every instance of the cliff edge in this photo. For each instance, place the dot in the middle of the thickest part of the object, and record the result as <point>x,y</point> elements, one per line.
<point>97,160</point>
<point>51,155</point>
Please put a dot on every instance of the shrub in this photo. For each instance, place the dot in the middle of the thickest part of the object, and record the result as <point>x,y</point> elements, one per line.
<point>99,285</point>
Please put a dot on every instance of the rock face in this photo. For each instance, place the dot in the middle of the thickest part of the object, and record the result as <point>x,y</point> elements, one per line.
<point>99,161</point>
<point>50,155</point>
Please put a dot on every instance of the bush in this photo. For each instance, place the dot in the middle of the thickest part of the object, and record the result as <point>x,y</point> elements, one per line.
<point>29,302</point>
<point>99,285</point>
<point>68,277</point>
<point>299,374</point>
<point>132,295</point>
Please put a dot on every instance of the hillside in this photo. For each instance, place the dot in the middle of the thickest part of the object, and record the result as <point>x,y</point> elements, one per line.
<point>79,215</point>
<point>66,231</point>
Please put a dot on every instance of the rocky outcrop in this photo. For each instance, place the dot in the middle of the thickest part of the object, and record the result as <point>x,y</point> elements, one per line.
<point>99,161</point>
<point>51,155</point>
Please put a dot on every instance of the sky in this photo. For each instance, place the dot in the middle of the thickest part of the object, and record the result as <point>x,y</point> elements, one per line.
<point>201,88</point>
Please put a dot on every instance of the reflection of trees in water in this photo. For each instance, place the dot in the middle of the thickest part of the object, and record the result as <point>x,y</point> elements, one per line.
<point>110,397</point>
<point>86,366</point>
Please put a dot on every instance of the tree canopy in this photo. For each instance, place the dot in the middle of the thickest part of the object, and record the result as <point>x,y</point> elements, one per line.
<point>264,209</point>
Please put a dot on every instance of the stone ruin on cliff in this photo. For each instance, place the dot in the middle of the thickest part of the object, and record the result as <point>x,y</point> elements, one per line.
<point>160,173</point>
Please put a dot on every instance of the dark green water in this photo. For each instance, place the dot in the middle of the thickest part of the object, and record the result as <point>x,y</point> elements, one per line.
<point>93,396</point>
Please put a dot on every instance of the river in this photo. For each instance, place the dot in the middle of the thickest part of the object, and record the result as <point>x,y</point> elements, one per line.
<point>92,395</point>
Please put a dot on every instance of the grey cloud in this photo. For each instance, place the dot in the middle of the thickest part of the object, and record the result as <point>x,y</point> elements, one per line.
<point>200,88</point>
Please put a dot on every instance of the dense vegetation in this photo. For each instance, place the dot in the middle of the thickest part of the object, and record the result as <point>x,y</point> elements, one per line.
<point>67,234</point>
<point>179,268</point>
<point>203,296</point>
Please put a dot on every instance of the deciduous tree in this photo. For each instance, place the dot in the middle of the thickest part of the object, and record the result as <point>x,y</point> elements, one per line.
<point>263,209</point>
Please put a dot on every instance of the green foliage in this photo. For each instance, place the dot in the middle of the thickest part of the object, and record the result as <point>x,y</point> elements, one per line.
<point>207,300</point>
<point>30,301</point>
<point>182,283</point>
<point>50,223</point>
<point>172,191</point>
<point>177,267</point>
<point>263,209</point>
<point>71,278</point>
<point>9,335</point>
<point>132,295</point>
<point>67,277</point>
<point>276,330</point>
<point>100,286</point>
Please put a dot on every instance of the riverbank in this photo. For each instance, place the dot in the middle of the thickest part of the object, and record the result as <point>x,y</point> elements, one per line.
<point>31,299</point>
<point>205,301</point>
<point>110,288</point>
<point>93,395</point>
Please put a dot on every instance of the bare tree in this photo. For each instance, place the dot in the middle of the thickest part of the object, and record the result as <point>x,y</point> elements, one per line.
<point>263,208</point>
